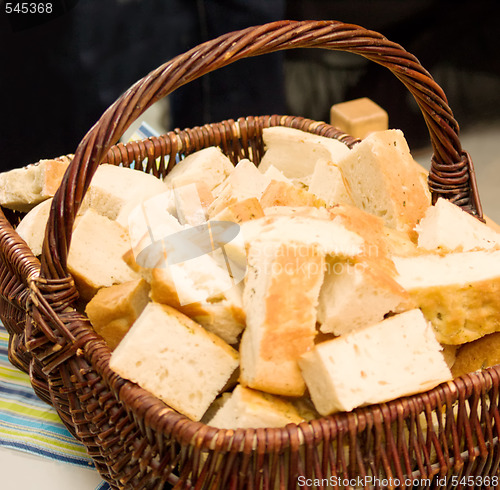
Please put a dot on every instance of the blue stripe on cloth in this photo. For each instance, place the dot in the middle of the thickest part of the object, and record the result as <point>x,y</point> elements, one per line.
<point>47,428</point>
<point>103,486</point>
<point>28,424</point>
<point>9,391</point>
<point>27,448</point>
<point>146,131</point>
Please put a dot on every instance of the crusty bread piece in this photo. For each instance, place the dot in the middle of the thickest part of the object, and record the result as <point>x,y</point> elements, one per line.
<point>149,224</point>
<point>279,193</point>
<point>459,293</point>
<point>146,222</point>
<point>446,227</point>
<point>32,227</point>
<point>296,152</point>
<point>114,309</point>
<point>129,259</point>
<point>371,228</point>
<point>243,183</point>
<point>329,184</point>
<point>356,295</point>
<point>274,174</point>
<point>186,269</point>
<point>385,180</point>
<point>208,165</point>
<point>192,202</point>
<point>156,206</point>
<point>23,188</point>
<point>307,225</point>
<point>449,354</point>
<point>114,189</point>
<point>330,236</point>
<point>205,291</point>
<point>396,357</point>
<point>280,298</point>
<point>175,359</point>
<point>95,255</point>
<point>399,243</point>
<point>305,407</point>
<point>477,355</point>
<point>241,211</point>
<point>245,408</point>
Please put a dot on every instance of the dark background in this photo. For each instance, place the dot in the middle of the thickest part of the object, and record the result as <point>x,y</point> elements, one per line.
<point>58,75</point>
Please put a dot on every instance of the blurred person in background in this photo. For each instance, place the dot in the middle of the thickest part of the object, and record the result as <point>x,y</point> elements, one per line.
<point>58,77</point>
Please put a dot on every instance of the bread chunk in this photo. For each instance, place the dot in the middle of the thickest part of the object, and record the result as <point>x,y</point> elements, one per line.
<point>208,165</point>
<point>155,208</point>
<point>245,408</point>
<point>399,243</point>
<point>175,359</point>
<point>328,183</point>
<point>446,227</point>
<point>95,258</point>
<point>295,152</point>
<point>243,183</point>
<point>356,295</point>
<point>376,247</point>
<point>305,224</point>
<point>149,223</point>
<point>32,227</point>
<point>477,355</point>
<point>114,309</point>
<point>114,189</point>
<point>274,174</point>
<point>279,299</point>
<point>385,180</point>
<point>331,237</point>
<point>241,211</point>
<point>396,357</point>
<point>459,293</point>
<point>280,193</point>
<point>192,202</point>
<point>204,290</point>
<point>23,188</point>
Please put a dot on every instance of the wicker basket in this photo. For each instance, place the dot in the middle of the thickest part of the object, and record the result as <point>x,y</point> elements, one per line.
<point>137,441</point>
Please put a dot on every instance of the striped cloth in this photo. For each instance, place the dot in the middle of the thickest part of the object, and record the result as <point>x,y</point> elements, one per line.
<point>30,425</point>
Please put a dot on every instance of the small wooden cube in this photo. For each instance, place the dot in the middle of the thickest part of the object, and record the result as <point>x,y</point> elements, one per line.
<point>359,117</point>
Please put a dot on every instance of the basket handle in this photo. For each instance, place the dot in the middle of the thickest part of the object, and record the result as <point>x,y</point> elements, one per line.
<point>452,173</point>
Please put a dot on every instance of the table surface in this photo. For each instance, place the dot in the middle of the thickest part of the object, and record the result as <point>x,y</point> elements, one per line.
<point>23,471</point>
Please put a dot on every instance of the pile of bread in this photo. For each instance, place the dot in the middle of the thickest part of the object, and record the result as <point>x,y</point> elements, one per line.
<point>245,296</point>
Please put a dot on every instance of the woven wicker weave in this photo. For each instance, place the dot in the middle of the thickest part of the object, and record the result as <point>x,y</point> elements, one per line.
<point>137,441</point>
